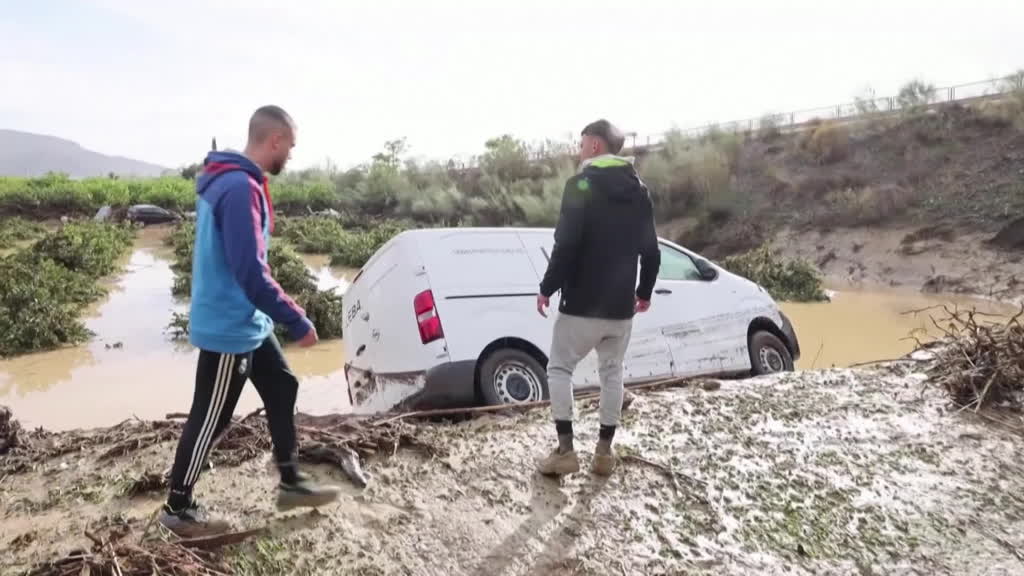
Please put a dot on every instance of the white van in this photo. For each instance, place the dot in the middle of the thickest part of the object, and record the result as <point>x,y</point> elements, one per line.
<point>447,317</point>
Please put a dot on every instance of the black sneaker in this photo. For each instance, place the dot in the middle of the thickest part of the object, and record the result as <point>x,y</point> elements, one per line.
<point>305,493</point>
<point>192,522</point>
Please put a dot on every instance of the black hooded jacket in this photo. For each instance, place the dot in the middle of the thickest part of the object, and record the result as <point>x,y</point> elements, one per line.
<point>606,225</point>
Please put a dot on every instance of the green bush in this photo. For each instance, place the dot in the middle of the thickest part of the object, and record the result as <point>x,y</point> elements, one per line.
<point>829,142</point>
<point>785,280</point>
<point>357,247</point>
<point>36,312</point>
<point>317,235</point>
<point>13,230</point>
<point>323,308</point>
<point>88,247</point>
<point>915,96</point>
<point>45,287</point>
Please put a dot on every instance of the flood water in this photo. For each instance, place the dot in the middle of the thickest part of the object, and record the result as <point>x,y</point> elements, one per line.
<point>857,327</point>
<point>132,368</point>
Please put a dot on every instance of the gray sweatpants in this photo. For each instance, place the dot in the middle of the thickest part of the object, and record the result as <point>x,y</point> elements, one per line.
<point>574,337</point>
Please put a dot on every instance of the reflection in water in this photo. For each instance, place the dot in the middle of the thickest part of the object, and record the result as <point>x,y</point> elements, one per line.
<point>131,368</point>
<point>865,326</point>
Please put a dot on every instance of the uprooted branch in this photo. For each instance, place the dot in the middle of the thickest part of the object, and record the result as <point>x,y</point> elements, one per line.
<point>336,440</point>
<point>980,362</point>
<point>118,556</point>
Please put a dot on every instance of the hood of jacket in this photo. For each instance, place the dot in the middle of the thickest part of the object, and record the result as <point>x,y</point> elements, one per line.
<point>218,163</point>
<point>615,176</point>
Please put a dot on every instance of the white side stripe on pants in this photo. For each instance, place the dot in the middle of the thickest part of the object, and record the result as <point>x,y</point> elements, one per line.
<point>225,370</point>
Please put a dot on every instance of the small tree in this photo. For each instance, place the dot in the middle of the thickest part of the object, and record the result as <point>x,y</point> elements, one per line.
<point>768,127</point>
<point>915,95</point>
<point>189,172</point>
<point>392,154</point>
<point>866,103</point>
<point>1015,81</point>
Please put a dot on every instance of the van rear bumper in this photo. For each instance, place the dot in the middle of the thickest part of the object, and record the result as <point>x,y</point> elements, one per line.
<point>451,384</point>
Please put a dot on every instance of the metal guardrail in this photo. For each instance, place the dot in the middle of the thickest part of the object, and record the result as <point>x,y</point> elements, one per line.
<point>845,111</point>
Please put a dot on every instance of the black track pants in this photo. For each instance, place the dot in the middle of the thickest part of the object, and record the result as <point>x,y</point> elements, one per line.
<point>219,382</point>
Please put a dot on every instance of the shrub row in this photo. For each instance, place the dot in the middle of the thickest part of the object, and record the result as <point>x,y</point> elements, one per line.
<point>44,288</point>
<point>322,307</point>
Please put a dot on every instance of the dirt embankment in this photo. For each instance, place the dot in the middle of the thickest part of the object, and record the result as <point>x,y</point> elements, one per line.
<point>933,201</point>
<point>933,259</point>
<point>839,472</point>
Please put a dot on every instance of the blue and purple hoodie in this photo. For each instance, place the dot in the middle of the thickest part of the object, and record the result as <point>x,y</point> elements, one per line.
<point>235,300</point>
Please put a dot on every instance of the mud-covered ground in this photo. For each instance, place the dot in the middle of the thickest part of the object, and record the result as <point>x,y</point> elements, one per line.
<point>836,472</point>
<point>932,259</point>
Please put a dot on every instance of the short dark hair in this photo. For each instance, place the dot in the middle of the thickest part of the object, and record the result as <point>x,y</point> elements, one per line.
<point>265,119</point>
<point>606,131</point>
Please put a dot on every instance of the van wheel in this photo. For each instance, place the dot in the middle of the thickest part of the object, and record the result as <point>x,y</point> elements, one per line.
<point>768,355</point>
<point>512,376</point>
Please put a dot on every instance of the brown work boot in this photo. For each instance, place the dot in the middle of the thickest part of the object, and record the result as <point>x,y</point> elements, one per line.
<point>604,460</point>
<point>559,463</point>
<point>192,522</point>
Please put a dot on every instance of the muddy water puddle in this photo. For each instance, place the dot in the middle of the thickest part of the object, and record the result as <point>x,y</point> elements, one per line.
<point>133,368</point>
<point>860,327</point>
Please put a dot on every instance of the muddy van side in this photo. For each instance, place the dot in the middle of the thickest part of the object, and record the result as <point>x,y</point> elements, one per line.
<point>446,317</point>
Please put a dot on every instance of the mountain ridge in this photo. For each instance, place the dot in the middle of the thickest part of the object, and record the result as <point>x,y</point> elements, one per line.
<point>28,154</point>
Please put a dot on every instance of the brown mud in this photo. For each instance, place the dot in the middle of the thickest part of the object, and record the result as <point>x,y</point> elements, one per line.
<point>835,472</point>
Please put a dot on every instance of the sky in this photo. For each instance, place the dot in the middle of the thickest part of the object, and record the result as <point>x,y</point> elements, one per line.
<point>155,80</point>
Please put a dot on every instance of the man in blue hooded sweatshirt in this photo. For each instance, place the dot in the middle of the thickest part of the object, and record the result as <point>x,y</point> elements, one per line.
<point>235,303</point>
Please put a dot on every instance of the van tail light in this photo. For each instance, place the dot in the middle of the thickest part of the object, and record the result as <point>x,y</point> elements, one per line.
<point>426,317</point>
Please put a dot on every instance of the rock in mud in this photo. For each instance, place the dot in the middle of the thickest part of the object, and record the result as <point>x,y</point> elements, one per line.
<point>942,284</point>
<point>1011,237</point>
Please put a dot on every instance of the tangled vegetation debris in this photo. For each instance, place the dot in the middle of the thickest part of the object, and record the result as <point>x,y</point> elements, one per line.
<point>323,307</point>
<point>117,555</point>
<point>45,287</point>
<point>786,280</point>
<point>337,440</point>
<point>980,362</point>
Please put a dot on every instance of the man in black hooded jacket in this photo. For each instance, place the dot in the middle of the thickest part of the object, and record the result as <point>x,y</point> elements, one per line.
<point>605,226</point>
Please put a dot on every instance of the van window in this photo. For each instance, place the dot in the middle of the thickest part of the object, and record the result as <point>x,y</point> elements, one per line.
<point>676,265</point>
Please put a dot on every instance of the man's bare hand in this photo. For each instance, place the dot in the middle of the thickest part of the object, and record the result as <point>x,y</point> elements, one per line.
<point>310,339</point>
<point>543,302</point>
<point>642,305</point>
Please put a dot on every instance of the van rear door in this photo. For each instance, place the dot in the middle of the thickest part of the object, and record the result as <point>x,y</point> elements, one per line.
<point>392,333</point>
<point>482,279</point>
